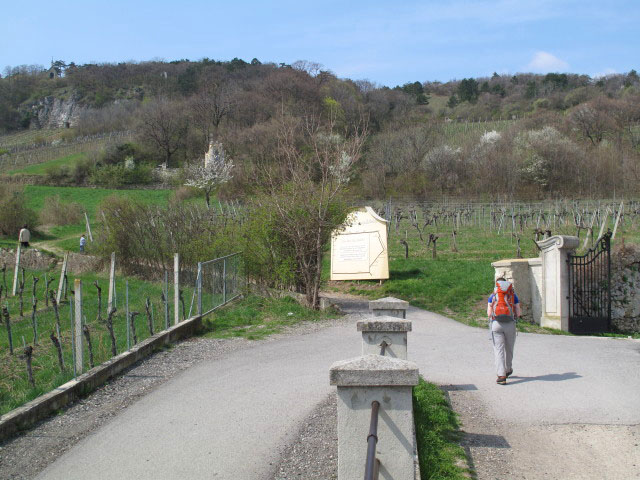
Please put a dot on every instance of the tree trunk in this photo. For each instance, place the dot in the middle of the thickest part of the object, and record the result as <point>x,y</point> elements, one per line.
<point>56,344</point>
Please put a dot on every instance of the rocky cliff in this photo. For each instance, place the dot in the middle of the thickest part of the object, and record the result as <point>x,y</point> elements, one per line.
<point>56,112</point>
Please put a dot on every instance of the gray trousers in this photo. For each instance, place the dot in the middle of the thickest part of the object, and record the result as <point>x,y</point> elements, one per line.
<point>504,339</point>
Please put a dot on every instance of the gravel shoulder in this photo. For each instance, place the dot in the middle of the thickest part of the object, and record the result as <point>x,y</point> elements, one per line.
<point>313,455</point>
<point>26,455</point>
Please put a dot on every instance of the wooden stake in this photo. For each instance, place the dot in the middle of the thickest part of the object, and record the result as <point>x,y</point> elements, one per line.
<point>604,223</point>
<point>63,274</point>
<point>615,227</point>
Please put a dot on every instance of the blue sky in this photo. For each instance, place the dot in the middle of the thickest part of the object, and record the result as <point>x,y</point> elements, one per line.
<point>388,43</point>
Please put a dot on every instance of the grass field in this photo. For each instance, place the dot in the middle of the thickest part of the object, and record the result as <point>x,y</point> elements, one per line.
<point>256,317</point>
<point>89,198</point>
<point>42,168</point>
<point>66,237</point>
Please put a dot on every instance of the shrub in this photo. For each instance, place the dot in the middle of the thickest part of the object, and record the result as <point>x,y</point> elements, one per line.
<point>108,175</point>
<point>13,212</point>
<point>118,175</point>
<point>185,193</point>
<point>118,154</point>
<point>147,235</point>
<point>56,212</point>
<point>269,259</point>
<point>57,174</point>
<point>81,171</point>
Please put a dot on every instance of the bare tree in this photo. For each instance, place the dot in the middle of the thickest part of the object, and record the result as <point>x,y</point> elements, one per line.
<point>209,106</point>
<point>164,126</point>
<point>304,190</point>
<point>592,121</point>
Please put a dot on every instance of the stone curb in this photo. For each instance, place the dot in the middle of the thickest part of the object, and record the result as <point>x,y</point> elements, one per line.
<point>41,407</point>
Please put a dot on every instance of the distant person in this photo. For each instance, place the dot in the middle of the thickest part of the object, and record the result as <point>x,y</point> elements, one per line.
<point>503,309</point>
<point>83,242</point>
<point>24,236</point>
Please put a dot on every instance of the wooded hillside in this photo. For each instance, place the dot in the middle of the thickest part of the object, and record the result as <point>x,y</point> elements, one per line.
<point>524,135</point>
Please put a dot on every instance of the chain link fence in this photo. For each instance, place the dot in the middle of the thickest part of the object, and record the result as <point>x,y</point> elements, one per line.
<point>219,281</point>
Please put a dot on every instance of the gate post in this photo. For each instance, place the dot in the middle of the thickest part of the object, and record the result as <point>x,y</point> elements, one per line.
<point>555,280</point>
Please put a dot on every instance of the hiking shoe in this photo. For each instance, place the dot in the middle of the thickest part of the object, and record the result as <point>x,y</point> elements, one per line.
<point>501,381</point>
<point>509,373</point>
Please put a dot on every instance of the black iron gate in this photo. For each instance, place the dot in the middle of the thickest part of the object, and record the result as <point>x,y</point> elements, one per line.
<point>590,289</point>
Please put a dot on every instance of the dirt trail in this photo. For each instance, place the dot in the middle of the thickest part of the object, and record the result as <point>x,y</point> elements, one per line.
<point>50,245</point>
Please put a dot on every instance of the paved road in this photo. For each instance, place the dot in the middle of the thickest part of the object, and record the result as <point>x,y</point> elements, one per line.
<point>230,418</point>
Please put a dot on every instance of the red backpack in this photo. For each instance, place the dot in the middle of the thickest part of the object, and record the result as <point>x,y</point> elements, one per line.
<point>503,299</point>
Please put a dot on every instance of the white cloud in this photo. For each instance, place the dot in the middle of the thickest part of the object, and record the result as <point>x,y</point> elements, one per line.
<point>606,72</point>
<point>544,62</point>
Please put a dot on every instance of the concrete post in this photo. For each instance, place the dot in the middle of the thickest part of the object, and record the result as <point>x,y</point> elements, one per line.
<point>86,219</point>
<point>387,329</point>
<point>199,288</point>
<point>555,280</point>
<point>389,381</point>
<point>176,289</point>
<point>390,306</point>
<point>79,352</point>
<point>112,282</point>
<point>63,272</point>
<point>15,271</point>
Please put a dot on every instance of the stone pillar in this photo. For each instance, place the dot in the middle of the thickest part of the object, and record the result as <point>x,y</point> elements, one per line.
<point>390,306</point>
<point>525,274</point>
<point>555,280</point>
<point>389,381</point>
<point>516,271</point>
<point>385,329</point>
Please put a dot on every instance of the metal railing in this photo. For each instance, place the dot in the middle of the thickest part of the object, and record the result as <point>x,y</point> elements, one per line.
<point>218,282</point>
<point>372,466</point>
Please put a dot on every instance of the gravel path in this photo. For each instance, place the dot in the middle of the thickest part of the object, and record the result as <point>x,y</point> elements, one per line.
<point>25,456</point>
<point>313,455</point>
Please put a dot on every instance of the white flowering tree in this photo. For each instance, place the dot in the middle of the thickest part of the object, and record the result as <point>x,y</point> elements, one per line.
<point>210,174</point>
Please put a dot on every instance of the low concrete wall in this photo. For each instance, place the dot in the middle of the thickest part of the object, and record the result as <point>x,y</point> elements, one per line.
<point>28,414</point>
